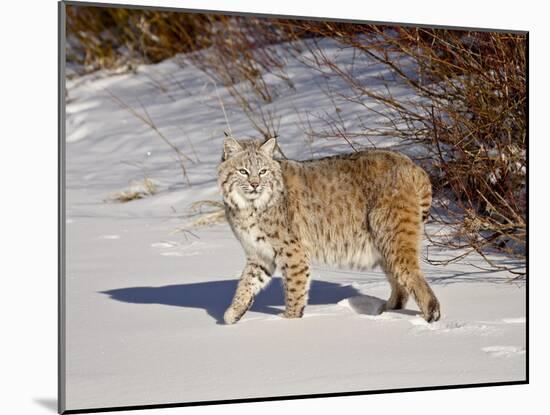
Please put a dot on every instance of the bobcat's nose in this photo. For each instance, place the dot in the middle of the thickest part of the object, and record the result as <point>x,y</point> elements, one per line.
<point>254,185</point>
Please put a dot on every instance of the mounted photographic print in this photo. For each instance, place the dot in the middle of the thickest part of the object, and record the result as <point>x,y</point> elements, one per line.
<point>264,207</point>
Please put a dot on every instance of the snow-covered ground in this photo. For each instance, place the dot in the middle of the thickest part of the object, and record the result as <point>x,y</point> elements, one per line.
<point>145,302</point>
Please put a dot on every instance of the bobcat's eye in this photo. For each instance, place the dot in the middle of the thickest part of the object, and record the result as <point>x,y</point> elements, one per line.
<point>243,172</point>
<point>262,172</point>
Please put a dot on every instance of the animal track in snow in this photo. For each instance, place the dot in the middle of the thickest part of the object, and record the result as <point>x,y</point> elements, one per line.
<point>179,249</point>
<point>109,237</point>
<point>176,244</point>
<point>505,321</point>
<point>373,308</point>
<point>447,326</point>
<point>164,244</point>
<point>176,253</point>
<point>518,320</point>
<point>504,351</point>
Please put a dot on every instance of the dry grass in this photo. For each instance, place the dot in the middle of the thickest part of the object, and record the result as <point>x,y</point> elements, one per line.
<point>110,37</point>
<point>206,213</point>
<point>137,190</point>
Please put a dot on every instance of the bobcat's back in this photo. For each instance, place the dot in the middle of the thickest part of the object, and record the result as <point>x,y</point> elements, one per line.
<point>342,206</point>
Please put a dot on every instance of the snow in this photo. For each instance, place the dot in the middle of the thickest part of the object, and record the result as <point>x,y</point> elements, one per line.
<point>145,302</point>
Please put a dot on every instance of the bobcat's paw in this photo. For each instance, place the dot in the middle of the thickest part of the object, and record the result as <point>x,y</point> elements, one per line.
<point>295,314</point>
<point>432,312</point>
<point>231,316</point>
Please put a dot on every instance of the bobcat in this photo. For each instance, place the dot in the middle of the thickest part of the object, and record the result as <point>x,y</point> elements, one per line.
<point>354,210</point>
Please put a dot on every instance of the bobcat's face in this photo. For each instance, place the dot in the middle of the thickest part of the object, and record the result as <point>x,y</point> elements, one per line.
<point>248,175</point>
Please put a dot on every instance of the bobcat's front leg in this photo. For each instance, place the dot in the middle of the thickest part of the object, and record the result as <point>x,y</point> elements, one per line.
<point>256,274</point>
<point>296,277</point>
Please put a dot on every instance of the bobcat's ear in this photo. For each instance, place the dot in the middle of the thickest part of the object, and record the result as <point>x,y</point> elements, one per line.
<point>268,147</point>
<point>230,147</point>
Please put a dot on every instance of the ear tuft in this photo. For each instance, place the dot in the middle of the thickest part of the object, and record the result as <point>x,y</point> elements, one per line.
<point>230,147</point>
<point>269,147</point>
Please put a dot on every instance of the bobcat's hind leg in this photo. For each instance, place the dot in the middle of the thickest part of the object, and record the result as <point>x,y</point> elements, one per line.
<point>256,275</point>
<point>404,266</point>
<point>399,295</point>
<point>397,230</point>
<point>415,284</point>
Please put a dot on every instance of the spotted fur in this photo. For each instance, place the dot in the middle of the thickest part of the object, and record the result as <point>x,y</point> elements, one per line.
<point>355,210</point>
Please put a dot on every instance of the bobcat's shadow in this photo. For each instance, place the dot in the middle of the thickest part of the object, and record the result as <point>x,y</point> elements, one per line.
<point>215,296</point>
